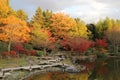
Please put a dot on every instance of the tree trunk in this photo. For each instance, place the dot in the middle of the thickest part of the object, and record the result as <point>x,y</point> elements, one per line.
<point>9,45</point>
<point>45,51</point>
<point>117,48</point>
<point>114,47</point>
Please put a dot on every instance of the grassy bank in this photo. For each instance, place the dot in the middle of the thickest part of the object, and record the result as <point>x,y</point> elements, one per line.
<point>13,62</point>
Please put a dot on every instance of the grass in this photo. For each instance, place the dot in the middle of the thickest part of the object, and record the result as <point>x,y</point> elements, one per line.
<point>67,61</point>
<point>21,61</point>
<point>13,62</point>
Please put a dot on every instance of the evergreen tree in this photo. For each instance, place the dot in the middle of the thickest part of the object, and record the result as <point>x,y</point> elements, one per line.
<point>108,23</point>
<point>47,16</point>
<point>101,28</point>
<point>37,19</point>
<point>94,33</point>
<point>21,15</point>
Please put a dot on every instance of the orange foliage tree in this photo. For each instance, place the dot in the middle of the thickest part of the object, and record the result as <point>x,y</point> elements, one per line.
<point>61,25</point>
<point>13,29</point>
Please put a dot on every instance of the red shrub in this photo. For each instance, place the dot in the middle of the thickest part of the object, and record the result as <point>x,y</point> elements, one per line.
<point>18,48</point>
<point>10,53</point>
<point>6,54</point>
<point>76,44</point>
<point>101,43</point>
<point>13,53</point>
<point>27,52</point>
<point>84,46</point>
<point>33,52</point>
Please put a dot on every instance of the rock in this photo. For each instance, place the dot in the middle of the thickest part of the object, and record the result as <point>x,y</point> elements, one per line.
<point>7,74</point>
<point>1,74</point>
<point>82,67</point>
<point>71,69</point>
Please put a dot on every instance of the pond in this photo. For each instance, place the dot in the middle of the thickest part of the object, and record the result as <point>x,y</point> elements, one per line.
<point>101,69</point>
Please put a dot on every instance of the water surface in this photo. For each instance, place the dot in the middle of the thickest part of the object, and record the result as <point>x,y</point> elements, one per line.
<point>101,69</point>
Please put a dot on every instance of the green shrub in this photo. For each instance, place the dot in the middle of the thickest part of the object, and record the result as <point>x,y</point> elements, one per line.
<point>28,46</point>
<point>100,54</point>
<point>39,53</point>
<point>3,46</point>
<point>88,52</point>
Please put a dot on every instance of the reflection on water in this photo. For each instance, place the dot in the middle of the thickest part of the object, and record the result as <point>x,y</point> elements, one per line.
<point>59,76</point>
<point>106,69</point>
<point>102,69</point>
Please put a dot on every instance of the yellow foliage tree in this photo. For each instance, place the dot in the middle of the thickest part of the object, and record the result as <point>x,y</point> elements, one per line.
<point>13,29</point>
<point>4,8</point>
<point>4,5</point>
<point>79,30</point>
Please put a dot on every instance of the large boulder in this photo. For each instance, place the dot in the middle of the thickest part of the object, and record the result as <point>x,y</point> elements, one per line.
<point>71,69</point>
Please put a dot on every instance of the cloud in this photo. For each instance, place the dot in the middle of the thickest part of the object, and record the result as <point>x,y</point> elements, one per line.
<point>87,10</point>
<point>90,11</point>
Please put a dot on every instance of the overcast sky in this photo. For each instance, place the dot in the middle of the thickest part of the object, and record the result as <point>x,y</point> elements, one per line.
<point>87,10</point>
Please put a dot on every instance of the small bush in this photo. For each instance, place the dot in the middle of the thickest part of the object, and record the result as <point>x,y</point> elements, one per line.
<point>101,43</point>
<point>13,53</point>
<point>100,54</point>
<point>10,54</point>
<point>33,53</point>
<point>28,46</point>
<point>18,48</point>
<point>39,53</point>
<point>6,54</point>
<point>27,52</point>
<point>3,46</point>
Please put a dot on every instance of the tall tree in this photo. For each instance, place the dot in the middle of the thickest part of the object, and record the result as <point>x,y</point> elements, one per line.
<point>100,27</point>
<point>94,34</point>
<point>13,30</point>
<point>5,9</point>
<point>117,23</point>
<point>108,24</point>
<point>47,16</point>
<point>114,39</point>
<point>37,37</point>
<point>103,25</point>
<point>21,15</point>
<point>40,39</point>
<point>80,29</point>
<point>37,19</point>
<point>61,25</point>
